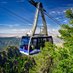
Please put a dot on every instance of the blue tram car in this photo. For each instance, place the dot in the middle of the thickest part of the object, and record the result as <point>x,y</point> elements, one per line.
<point>35,44</point>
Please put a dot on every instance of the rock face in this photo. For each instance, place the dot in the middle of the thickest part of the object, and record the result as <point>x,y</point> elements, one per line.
<point>8,41</point>
<point>57,41</point>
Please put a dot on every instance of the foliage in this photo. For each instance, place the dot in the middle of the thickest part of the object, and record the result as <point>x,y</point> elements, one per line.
<point>57,60</point>
<point>44,60</point>
<point>69,14</point>
<point>11,61</point>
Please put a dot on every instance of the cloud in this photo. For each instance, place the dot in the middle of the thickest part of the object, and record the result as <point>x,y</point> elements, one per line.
<point>57,18</point>
<point>20,1</point>
<point>53,32</point>
<point>56,13</point>
<point>52,12</point>
<point>13,25</point>
<point>65,21</point>
<point>3,2</point>
<point>14,32</point>
<point>70,5</point>
<point>64,11</point>
<point>3,26</point>
<point>20,32</point>
<point>59,12</point>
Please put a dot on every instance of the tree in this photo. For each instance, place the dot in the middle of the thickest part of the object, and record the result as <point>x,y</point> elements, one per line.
<point>57,60</point>
<point>12,61</point>
<point>44,60</point>
<point>65,63</point>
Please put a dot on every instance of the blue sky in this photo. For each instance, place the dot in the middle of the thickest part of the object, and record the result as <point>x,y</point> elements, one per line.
<point>19,14</point>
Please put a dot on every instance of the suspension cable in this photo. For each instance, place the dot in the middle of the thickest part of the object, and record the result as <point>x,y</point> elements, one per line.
<point>56,21</point>
<point>17,15</point>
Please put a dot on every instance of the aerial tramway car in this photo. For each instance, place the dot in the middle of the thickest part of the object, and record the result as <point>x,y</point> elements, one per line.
<point>32,44</point>
<point>35,44</point>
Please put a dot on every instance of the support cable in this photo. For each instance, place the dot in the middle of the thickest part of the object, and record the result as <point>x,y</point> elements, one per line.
<point>57,22</point>
<point>17,15</point>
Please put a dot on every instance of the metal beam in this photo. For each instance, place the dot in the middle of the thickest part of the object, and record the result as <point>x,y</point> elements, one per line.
<point>44,31</point>
<point>33,3</point>
<point>34,24</point>
<point>36,19</point>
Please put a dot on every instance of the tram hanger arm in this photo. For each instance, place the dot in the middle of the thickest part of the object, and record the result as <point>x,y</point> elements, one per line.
<point>35,4</point>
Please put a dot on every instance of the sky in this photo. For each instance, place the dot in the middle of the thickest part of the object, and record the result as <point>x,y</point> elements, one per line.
<point>17,16</point>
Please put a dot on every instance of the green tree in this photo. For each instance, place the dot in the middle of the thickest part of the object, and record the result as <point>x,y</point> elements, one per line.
<point>12,61</point>
<point>44,60</point>
<point>65,64</point>
<point>57,60</point>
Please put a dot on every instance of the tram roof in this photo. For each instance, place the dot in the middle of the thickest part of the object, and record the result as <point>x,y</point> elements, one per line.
<point>37,36</point>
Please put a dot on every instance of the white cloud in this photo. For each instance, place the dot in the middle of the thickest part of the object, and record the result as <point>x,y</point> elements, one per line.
<point>3,2</point>
<point>57,18</point>
<point>52,12</point>
<point>21,32</point>
<point>65,21</point>
<point>20,0</point>
<point>14,32</point>
<point>12,26</point>
<point>53,32</point>
<point>56,12</point>
<point>64,11</point>
<point>0,24</point>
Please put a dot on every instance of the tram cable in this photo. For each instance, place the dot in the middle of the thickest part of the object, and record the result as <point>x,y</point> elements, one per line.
<point>57,22</point>
<point>10,11</point>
